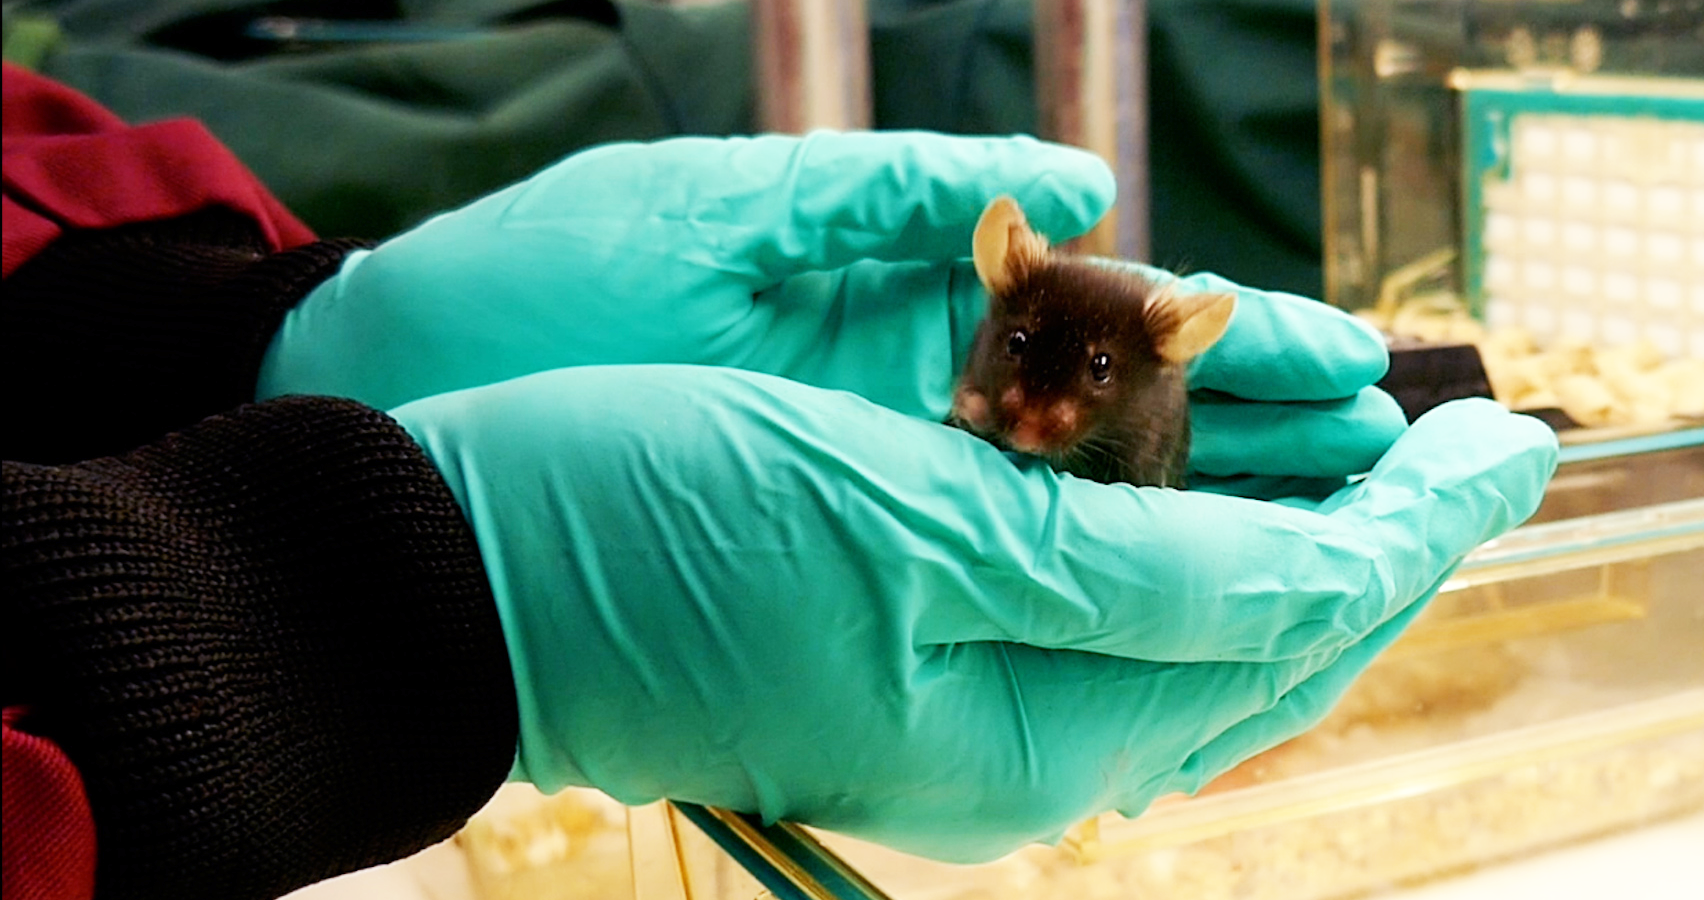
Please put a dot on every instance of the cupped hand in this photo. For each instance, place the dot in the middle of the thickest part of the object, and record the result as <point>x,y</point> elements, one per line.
<point>734,589</point>
<point>830,259</point>
<point>835,260</point>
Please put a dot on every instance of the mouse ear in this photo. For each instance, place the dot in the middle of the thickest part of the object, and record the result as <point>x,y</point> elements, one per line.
<point>1004,246</point>
<point>1183,326</point>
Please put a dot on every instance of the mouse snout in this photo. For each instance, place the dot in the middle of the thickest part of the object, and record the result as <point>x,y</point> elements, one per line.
<point>1050,428</point>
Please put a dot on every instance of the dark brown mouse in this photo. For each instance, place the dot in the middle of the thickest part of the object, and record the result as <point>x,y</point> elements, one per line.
<point>1081,363</point>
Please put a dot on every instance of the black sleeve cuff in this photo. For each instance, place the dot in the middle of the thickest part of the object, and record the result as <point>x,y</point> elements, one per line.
<point>113,338</point>
<point>268,644</point>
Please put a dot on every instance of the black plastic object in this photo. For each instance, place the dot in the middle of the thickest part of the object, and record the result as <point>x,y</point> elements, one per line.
<point>1425,375</point>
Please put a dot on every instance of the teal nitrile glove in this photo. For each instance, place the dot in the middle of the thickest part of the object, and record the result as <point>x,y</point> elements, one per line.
<point>837,260</point>
<point>735,589</point>
<point>812,258</point>
<point>1284,403</point>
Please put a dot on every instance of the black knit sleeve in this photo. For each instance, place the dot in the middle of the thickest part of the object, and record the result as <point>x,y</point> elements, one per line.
<point>268,644</point>
<point>111,338</point>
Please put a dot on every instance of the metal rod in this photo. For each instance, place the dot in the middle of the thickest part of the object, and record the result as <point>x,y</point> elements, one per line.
<point>813,64</point>
<point>1092,91</point>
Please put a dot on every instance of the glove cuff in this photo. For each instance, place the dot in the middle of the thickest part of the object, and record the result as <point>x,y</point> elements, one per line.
<point>268,645</point>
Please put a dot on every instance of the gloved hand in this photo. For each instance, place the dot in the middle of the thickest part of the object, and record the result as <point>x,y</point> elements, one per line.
<point>734,589</point>
<point>808,258</point>
<point>750,592</point>
<point>837,260</point>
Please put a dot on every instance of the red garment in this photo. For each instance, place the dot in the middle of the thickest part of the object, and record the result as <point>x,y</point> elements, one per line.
<point>69,163</point>
<point>49,834</point>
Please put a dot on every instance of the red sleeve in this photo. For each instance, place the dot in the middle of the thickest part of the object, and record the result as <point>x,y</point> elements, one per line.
<point>49,834</point>
<point>71,164</point>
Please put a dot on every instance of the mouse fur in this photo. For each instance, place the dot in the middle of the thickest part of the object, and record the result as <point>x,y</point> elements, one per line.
<point>1080,362</point>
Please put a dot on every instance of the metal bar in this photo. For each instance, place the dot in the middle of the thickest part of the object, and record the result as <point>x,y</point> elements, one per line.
<point>1092,91</point>
<point>813,64</point>
<point>790,863</point>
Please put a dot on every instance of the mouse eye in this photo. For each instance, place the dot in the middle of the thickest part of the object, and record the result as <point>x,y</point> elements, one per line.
<point>1101,367</point>
<point>1016,343</point>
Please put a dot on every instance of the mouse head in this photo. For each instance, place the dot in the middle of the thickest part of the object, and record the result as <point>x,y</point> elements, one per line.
<point>1070,343</point>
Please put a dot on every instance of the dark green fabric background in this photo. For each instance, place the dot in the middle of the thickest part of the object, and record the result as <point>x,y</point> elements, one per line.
<point>367,138</point>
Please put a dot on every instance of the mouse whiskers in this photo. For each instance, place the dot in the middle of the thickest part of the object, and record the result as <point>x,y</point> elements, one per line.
<point>1102,457</point>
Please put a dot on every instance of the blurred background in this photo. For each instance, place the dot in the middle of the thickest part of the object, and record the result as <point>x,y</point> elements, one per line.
<point>366,116</point>
<point>1512,190</point>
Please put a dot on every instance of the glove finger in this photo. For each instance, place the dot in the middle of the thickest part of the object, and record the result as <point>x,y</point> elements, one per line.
<point>830,199</point>
<point>1319,439</point>
<point>1160,575</point>
<point>1188,576</point>
<point>1464,473</point>
<point>1282,346</point>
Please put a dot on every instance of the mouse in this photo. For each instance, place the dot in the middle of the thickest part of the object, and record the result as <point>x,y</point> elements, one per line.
<point>1079,361</point>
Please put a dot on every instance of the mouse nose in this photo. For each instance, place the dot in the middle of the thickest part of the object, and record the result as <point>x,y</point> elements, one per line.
<point>1045,430</point>
<point>1029,435</point>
